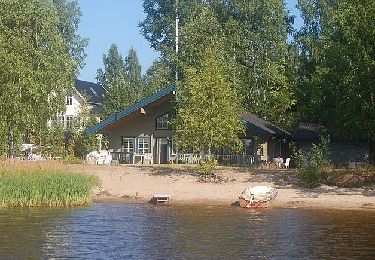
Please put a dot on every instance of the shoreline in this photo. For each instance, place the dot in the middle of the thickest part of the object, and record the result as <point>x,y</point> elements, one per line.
<point>137,184</point>
<point>276,204</point>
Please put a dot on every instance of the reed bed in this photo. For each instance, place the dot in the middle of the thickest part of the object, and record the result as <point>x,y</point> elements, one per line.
<point>43,184</point>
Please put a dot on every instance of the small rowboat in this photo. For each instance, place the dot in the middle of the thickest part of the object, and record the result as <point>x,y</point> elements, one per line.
<point>257,197</point>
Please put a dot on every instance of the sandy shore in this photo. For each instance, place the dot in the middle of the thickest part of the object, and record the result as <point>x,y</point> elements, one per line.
<point>129,183</point>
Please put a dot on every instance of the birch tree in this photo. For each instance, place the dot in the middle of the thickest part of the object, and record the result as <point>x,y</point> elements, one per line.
<point>36,66</point>
<point>207,114</point>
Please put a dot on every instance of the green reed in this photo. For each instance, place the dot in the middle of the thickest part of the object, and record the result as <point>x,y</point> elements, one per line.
<point>44,188</point>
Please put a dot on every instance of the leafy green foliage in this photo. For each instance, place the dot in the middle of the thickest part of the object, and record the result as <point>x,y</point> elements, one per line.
<point>122,80</point>
<point>119,96</point>
<point>251,36</point>
<point>313,164</point>
<point>207,114</point>
<point>256,33</point>
<point>336,85</point>
<point>54,140</point>
<point>158,76</point>
<point>208,166</point>
<point>134,72</point>
<point>37,62</point>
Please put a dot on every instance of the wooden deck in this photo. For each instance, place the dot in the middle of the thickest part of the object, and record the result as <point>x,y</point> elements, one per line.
<point>161,199</point>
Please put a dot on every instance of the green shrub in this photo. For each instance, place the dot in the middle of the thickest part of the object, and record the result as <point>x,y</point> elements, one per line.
<point>208,166</point>
<point>71,159</point>
<point>313,165</point>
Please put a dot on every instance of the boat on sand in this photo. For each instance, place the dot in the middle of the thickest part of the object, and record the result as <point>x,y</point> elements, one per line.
<point>257,197</point>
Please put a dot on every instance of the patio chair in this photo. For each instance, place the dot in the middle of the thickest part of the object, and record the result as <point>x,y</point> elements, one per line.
<point>286,164</point>
<point>147,158</point>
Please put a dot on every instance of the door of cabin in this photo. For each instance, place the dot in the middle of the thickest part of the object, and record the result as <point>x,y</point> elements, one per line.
<point>162,150</point>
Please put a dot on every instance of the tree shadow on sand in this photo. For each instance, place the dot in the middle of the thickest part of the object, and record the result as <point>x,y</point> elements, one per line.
<point>280,178</point>
<point>333,190</point>
<point>169,170</point>
<point>289,179</point>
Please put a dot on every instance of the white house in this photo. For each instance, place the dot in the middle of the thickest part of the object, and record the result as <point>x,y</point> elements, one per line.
<point>83,90</point>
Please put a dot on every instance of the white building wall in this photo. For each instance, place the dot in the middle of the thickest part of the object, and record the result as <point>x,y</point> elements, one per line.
<point>75,108</point>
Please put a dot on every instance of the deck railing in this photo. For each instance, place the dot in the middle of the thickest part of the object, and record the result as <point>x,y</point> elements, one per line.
<point>189,158</point>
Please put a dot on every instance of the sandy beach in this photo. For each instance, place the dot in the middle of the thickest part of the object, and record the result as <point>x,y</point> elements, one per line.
<point>184,185</point>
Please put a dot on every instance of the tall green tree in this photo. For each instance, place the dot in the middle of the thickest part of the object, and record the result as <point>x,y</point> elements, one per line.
<point>252,35</point>
<point>158,76</point>
<point>159,25</point>
<point>342,72</point>
<point>257,37</point>
<point>119,96</point>
<point>116,81</point>
<point>69,14</point>
<point>114,66</point>
<point>134,72</point>
<point>208,112</point>
<point>36,65</point>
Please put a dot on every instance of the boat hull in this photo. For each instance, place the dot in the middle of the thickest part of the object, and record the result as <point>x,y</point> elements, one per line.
<point>257,205</point>
<point>257,197</point>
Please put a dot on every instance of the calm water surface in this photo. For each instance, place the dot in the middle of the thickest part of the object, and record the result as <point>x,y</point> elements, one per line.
<point>138,231</point>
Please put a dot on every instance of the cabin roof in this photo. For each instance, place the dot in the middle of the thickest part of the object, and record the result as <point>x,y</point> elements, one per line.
<point>262,127</point>
<point>131,109</point>
<point>308,132</point>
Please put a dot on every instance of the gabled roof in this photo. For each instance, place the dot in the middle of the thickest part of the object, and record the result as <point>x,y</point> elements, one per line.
<point>262,127</point>
<point>94,92</point>
<point>129,110</point>
<point>309,132</point>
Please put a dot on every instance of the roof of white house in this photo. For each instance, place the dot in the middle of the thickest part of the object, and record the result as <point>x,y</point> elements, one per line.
<point>94,92</point>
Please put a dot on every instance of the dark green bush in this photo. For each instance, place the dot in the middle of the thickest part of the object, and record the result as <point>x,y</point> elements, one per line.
<point>313,164</point>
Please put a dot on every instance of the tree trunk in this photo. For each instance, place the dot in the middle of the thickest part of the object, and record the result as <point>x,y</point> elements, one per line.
<point>10,143</point>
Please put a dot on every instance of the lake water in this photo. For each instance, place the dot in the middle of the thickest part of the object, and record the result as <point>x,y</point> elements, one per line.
<point>139,231</point>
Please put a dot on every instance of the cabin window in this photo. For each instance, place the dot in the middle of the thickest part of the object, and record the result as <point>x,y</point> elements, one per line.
<point>69,101</point>
<point>143,145</point>
<point>162,122</point>
<point>128,144</point>
<point>248,146</point>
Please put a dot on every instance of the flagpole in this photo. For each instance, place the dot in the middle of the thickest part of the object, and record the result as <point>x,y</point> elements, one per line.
<point>176,42</point>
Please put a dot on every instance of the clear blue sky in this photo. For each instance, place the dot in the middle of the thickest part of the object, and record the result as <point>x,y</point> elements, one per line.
<point>116,21</point>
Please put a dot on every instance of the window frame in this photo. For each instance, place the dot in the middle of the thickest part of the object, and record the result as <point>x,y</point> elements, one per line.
<point>128,148</point>
<point>245,142</point>
<point>141,142</point>
<point>164,124</point>
<point>69,100</point>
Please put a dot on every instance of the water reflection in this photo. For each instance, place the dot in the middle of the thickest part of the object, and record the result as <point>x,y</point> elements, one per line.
<point>137,231</point>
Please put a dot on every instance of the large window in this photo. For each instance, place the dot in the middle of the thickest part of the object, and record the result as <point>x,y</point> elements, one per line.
<point>143,145</point>
<point>68,121</point>
<point>128,144</point>
<point>162,122</point>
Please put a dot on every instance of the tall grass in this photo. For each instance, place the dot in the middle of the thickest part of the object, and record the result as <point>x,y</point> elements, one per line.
<point>38,184</point>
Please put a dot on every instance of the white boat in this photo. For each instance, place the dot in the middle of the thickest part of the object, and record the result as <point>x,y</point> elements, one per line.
<point>257,197</point>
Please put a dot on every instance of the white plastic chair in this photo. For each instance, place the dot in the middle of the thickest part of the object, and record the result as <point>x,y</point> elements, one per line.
<point>286,164</point>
